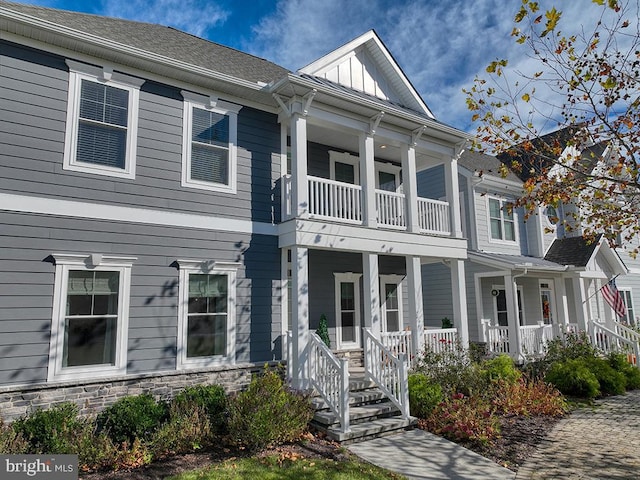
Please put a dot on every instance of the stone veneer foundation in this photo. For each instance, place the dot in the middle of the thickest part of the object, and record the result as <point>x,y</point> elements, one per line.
<point>93,396</point>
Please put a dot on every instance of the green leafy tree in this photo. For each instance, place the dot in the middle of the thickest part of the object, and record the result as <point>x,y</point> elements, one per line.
<point>586,85</point>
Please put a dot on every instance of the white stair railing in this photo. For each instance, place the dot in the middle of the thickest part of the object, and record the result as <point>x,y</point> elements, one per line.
<point>608,341</point>
<point>388,371</point>
<point>390,208</point>
<point>627,332</point>
<point>329,375</point>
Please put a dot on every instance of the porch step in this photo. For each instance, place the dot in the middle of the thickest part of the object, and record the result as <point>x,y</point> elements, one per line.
<point>373,429</point>
<point>358,414</point>
<point>359,397</point>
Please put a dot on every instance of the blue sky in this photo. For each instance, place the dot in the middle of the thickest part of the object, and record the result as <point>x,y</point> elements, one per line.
<point>440,44</point>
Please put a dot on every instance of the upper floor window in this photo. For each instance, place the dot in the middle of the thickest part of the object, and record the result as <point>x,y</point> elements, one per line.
<point>629,318</point>
<point>102,120</point>
<point>90,316</point>
<point>209,143</point>
<point>501,220</point>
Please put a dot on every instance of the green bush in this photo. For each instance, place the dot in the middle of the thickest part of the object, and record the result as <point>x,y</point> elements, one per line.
<point>573,377</point>
<point>611,381</point>
<point>95,449</point>
<point>50,431</point>
<point>423,395</point>
<point>11,441</point>
<point>570,347</point>
<point>501,368</point>
<point>132,417</point>
<point>212,398</point>
<point>268,413</point>
<point>187,430</point>
<point>619,363</point>
<point>323,330</point>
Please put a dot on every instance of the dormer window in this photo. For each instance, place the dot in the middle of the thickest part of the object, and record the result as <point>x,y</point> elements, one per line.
<point>501,220</point>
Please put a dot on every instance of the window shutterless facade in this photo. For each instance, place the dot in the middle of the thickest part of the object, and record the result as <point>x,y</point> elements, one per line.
<point>209,158</point>
<point>102,121</point>
<point>206,313</point>
<point>502,224</point>
<point>90,316</point>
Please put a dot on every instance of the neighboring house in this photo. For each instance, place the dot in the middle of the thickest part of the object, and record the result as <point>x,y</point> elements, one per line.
<point>527,279</point>
<point>171,207</point>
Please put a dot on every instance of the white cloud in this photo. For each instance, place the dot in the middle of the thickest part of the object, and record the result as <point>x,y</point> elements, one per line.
<point>193,16</point>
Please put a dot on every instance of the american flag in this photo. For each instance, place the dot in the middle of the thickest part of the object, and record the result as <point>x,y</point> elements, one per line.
<point>613,297</point>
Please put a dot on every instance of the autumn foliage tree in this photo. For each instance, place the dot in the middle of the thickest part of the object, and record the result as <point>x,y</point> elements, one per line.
<point>585,86</point>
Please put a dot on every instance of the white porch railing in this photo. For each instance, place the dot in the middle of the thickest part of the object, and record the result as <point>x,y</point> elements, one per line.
<point>398,342</point>
<point>439,340</point>
<point>609,341</point>
<point>390,208</point>
<point>495,336</point>
<point>388,371</point>
<point>329,375</point>
<point>627,333</point>
<point>433,216</point>
<point>534,338</point>
<point>335,200</point>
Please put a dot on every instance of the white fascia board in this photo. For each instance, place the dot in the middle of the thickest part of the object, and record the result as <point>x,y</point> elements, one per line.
<point>102,43</point>
<point>352,238</point>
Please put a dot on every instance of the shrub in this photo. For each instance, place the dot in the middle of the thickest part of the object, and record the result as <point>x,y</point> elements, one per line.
<point>187,430</point>
<point>423,395</point>
<point>268,413</point>
<point>212,398</point>
<point>323,330</point>
<point>570,347</point>
<point>132,417</point>
<point>501,368</point>
<point>50,431</point>
<point>462,418</point>
<point>95,449</point>
<point>528,397</point>
<point>11,441</point>
<point>619,363</point>
<point>611,381</point>
<point>573,377</point>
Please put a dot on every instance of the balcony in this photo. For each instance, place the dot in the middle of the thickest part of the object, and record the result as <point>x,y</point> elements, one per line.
<point>342,203</point>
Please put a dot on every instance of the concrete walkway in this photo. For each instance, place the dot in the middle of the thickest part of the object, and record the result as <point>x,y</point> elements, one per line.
<point>599,443</point>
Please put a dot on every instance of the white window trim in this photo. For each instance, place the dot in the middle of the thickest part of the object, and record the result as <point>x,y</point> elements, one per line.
<point>78,72</point>
<point>515,223</point>
<point>344,157</point>
<point>213,104</point>
<point>187,267</point>
<point>94,262</point>
<point>551,289</point>
<point>355,278</point>
<point>631,321</point>
<point>388,168</point>
<point>395,280</point>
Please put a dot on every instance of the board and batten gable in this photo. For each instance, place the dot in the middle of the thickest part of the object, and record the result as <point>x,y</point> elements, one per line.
<point>33,107</point>
<point>34,114</point>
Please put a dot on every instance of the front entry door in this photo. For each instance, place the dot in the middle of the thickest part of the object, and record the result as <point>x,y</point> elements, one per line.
<point>348,310</point>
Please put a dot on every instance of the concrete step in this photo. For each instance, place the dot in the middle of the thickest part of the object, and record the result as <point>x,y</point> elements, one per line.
<point>358,414</point>
<point>375,428</point>
<point>360,397</point>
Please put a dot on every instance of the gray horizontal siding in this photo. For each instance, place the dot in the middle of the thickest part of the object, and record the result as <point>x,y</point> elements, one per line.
<point>26,294</point>
<point>33,89</point>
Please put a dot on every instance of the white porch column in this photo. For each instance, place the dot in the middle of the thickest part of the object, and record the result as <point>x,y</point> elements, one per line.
<point>368,181</point>
<point>513,319</point>
<point>410,187</point>
<point>453,197</point>
<point>371,289</point>
<point>299,312</point>
<point>459,289</point>
<point>562,304</point>
<point>299,187</point>
<point>416,306</point>
<point>582,307</point>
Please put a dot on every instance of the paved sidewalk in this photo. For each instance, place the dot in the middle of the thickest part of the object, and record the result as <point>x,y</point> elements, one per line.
<point>591,444</point>
<point>599,443</point>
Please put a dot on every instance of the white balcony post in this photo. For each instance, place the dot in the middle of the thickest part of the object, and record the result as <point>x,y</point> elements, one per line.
<point>451,188</point>
<point>459,289</point>
<point>416,306</point>
<point>368,180</point>
<point>513,318</point>
<point>299,312</point>
<point>562,305</point>
<point>299,189</point>
<point>371,288</point>
<point>410,187</point>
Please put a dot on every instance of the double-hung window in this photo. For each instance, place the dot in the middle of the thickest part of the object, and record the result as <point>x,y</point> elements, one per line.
<point>102,119</point>
<point>627,296</point>
<point>206,313</point>
<point>209,158</point>
<point>90,316</point>
<point>501,220</point>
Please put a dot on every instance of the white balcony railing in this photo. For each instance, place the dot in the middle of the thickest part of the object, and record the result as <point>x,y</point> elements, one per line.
<point>342,202</point>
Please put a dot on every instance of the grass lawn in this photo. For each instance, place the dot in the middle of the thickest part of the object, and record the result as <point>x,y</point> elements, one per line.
<point>274,467</point>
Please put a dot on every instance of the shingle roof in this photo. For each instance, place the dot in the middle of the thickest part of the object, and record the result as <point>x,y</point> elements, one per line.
<point>571,251</point>
<point>485,165</point>
<point>161,40</point>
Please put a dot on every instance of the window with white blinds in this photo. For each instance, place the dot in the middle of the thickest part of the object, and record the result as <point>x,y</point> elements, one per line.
<point>209,143</point>
<point>102,121</point>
